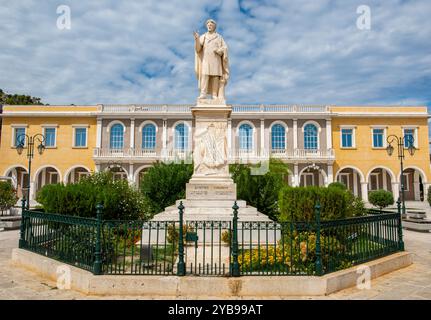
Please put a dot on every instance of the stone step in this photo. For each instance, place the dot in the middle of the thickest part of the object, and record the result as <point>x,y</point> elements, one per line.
<point>211,203</point>
<point>423,225</point>
<point>212,214</point>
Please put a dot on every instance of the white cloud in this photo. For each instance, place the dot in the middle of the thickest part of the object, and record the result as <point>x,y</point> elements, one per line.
<point>281,51</point>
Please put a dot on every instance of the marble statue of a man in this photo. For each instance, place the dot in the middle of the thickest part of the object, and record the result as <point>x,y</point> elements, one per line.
<point>211,62</point>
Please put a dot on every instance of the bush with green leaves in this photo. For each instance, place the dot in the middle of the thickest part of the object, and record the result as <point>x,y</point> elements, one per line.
<point>429,195</point>
<point>337,184</point>
<point>163,184</point>
<point>381,198</point>
<point>298,203</point>
<point>8,196</point>
<point>261,191</point>
<point>119,199</point>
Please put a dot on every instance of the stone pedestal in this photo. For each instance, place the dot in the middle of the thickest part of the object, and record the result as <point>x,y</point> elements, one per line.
<point>211,192</point>
<point>211,179</point>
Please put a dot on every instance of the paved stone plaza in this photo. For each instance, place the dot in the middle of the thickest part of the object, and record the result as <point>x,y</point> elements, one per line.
<point>413,282</point>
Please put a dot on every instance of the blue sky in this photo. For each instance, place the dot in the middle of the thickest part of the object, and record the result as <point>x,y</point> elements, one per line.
<point>291,51</point>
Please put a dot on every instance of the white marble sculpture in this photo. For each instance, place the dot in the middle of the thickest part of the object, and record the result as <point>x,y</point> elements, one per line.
<point>211,63</point>
<point>210,152</point>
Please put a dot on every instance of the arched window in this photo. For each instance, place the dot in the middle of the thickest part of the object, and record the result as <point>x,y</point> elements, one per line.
<point>245,137</point>
<point>116,137</point>
<point>310,137</point>
<point>181,137</point>
<point>149,137</point>
<point>278,137</point>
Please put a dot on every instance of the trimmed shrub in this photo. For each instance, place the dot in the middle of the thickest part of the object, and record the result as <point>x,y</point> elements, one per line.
<point>429,195</point>
<point>163,184</point>
<point>339,185</point>
<point>119,199</point>
<point>261,191</point>
<point>297,203</point>
<point>8,196</point>
<point>356,206</point>
<point>381,198</point>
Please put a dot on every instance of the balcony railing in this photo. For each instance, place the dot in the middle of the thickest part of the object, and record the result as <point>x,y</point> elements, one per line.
<point>151,154</point>
<point>279,108</point>
<point>183,109</point>
<point>235,155</point>
<point>146,108</point>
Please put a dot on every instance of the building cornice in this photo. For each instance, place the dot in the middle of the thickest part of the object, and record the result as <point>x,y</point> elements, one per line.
<point>166,111</point>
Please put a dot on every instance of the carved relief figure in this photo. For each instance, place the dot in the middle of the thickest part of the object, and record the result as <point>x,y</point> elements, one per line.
<point>210,154</point>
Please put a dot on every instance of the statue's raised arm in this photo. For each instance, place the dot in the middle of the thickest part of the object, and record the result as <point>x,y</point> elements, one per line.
<point>198,46</point>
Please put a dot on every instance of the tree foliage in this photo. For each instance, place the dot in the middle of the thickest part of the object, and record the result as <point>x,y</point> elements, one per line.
<point>8,196</point>
<point>18,99</point>
<point>261,190</point>
<point>163,184</point>
<point>381,198</point>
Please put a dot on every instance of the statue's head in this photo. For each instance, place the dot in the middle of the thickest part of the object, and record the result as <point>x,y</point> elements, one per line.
<point>211,127</point>
<point>211,25</point>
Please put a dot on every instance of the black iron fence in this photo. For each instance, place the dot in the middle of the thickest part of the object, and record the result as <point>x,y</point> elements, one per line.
<point>211,248</point>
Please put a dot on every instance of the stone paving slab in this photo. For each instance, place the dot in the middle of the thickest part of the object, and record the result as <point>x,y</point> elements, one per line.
<point>413,282</point>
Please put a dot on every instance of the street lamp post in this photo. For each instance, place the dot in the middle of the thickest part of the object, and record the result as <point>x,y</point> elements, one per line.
<point>401,144</point>
<point>30,154</point>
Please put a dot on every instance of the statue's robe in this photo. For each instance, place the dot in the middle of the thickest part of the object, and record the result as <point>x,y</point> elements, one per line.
<point>207,62</point>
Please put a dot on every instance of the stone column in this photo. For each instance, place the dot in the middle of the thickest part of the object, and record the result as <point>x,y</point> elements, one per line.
<point>295,175</point>
<point>295,134</point>
<point>164,138</point>
<point>355,183</point>
<point>230,152</point>
<point>364,191</point>
<point>395,190</point>
<point>416,186</point>
<point>328,134</point>
<point>99,134</point>
<point>32,190</point>
<point>43,181</point>
<point>130,176</point>
<point>132,133</point>
<point>262,137</point>
<point>330,178</point>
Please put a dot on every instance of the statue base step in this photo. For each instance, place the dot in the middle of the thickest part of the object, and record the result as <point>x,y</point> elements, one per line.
<point>210,210</point>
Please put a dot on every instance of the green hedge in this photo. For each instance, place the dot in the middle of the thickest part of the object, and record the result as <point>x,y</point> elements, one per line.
<point>261,191</point>
<point>297,203</point>
<point>163,184</point>
<point>337,184</point>
<point>120,200</point>
<point>429,195</point>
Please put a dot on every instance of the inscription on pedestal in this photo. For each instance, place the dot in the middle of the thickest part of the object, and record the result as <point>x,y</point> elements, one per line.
<point>210,192</point>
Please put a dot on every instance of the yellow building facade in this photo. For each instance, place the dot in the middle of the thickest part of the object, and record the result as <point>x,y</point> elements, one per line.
<point>321,144</point>
<point>61,158</point>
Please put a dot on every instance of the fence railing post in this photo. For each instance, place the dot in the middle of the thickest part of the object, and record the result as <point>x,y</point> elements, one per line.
<point>319,269</point>
<point>22,240</point>
<point>97,267</point>
<point>181,269</point>
<point>235,249</point>
<point>400,227</point>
